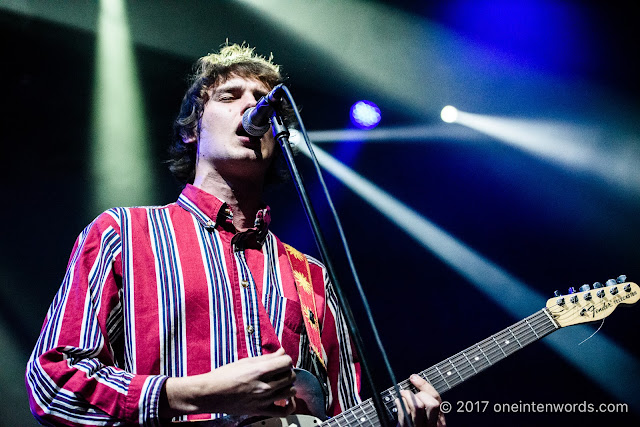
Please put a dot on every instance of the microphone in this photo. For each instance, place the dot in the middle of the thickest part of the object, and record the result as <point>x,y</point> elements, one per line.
<point>255,120</point>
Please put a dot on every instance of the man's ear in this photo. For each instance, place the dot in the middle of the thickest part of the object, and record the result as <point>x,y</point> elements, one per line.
<point>188,139</point>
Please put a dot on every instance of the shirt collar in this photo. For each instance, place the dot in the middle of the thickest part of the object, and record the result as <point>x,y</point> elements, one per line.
<point>210,211</point>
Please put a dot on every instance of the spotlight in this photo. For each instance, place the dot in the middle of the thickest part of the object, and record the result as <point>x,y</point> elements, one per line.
<point>449,114</point>
<point>365,114</point>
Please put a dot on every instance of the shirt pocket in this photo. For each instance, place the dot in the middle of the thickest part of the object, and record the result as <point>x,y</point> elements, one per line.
<point>293,320</point>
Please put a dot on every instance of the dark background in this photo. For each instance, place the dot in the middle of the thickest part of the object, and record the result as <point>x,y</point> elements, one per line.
<point>551,227</point>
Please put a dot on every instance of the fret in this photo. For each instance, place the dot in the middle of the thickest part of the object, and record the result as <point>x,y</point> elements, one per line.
<point>466,364</point>
<point>372,415</point>
<point>354,418</point>
<point>456,369</point>
<point>553,322</point>
<point>358,414</point>
<point>489,349</point>
<point>387,398</point>
<point>478,358</point>
<point>429,380</point>
<point>494,340</point>
<point>445,380</point>
<point>446,373</point>
<point>534,331</point>
<point>533,324</point>
<point>522,331</point>
<point>506,344</point>
<point>390,406</point>
<point>465,368</point>
<point>516,338</point>
<point>484,354</point>
<point>471,364</point>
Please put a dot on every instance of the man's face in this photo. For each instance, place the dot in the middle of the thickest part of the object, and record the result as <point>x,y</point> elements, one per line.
<point>223,143</point>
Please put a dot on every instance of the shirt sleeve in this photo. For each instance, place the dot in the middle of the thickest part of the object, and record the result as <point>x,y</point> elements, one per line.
<point>72,376</point>
<point>343,367</point>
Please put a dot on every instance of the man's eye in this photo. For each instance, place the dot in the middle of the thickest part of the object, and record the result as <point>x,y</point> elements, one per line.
<point>226,98</point>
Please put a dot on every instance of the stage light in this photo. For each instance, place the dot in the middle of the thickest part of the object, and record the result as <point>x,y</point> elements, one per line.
<point>507,291</point>
<point>365,114</point>
<point>449,114</point>
<point>571,145</point>
<point>121,171</point>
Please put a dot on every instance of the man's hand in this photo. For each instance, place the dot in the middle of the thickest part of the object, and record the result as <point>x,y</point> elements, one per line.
<point>423,406</point>
<point>250,386</point>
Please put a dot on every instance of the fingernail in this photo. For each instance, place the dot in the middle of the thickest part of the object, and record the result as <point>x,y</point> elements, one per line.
<point>414,377</point>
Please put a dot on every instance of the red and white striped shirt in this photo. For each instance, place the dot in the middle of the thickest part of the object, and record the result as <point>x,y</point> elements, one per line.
<point>153,292</point>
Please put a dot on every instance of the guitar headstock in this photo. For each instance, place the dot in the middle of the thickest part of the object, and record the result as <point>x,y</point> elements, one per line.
<point>592,303</point>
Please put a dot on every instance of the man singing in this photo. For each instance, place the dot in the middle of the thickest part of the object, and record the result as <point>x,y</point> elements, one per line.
<point>195,309</point>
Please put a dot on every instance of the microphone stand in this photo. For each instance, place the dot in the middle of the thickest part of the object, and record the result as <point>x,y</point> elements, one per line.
<point>281,134</point>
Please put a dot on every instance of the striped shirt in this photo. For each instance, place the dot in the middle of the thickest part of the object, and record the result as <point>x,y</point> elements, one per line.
<point>154,292</point>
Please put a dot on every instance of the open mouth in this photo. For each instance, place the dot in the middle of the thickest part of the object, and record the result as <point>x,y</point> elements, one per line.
<point>252,140</point>
<point>241,132</point>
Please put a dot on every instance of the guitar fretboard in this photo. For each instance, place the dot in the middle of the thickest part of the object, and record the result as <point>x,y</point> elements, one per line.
<point>456,369</point>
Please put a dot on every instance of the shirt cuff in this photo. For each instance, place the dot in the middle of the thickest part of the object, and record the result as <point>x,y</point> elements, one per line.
<point>143,399</point>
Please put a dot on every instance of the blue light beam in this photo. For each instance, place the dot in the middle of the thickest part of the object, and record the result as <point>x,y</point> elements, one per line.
<point>594,358</point>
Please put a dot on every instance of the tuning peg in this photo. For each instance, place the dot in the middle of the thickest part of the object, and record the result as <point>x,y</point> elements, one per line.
<point>572,290</point>
<point>600,293</point>
<point>597,285</point>
<point>560,300</point>
<point>611,282</point>
<point>584,288</point>
<point>621,278</point>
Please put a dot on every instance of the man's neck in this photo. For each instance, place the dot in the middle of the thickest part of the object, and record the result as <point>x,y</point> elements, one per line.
<point>243,196</point>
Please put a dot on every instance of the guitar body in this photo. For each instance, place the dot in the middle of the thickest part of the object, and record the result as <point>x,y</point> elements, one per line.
<point>578,307</point>
<point>290,421</point>
<point>294,420</point>
<point>309,400</point>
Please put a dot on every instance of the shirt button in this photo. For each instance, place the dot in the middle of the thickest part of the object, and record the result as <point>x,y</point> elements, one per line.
<point>250,329</point>
<point>210,224</point>
<point>245,284</point>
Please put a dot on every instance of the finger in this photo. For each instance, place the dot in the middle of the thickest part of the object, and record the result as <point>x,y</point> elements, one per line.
<point>283,382</point>
<point>410,409</point>
<point>278,410</point>
<point>413,405</point>
<point>278,352</point>
<point>429,409</point>
<point>418,405</point>
<point>422,385</point>
<point>277,364</point>
<point>284,393</point>
<point>278,373</point>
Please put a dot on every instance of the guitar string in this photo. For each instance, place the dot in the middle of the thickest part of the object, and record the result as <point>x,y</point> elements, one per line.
<point>443,382</point>
<point>438,382</point>
<point>493,355</point>
<point>435,376</point>
<point>528,330</point>
<point>509,348</point>
<point>487,353</point>
<point>539,318</point>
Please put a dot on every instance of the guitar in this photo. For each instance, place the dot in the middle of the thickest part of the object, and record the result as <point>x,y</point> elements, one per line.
<point>588,305</point>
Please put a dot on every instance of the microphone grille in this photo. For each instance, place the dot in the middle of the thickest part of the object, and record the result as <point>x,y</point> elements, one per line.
<point>250,128</point>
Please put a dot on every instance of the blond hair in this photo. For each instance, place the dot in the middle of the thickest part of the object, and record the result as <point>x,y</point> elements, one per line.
<point>210,71</point>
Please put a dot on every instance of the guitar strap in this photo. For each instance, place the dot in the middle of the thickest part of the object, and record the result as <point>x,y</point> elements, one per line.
<point>302,276</point>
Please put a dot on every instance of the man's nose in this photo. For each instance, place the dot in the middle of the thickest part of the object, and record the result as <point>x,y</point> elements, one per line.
<point>249,102</point>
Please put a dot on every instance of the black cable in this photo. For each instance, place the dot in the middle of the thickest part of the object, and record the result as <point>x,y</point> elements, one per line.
<point>343,302</point>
